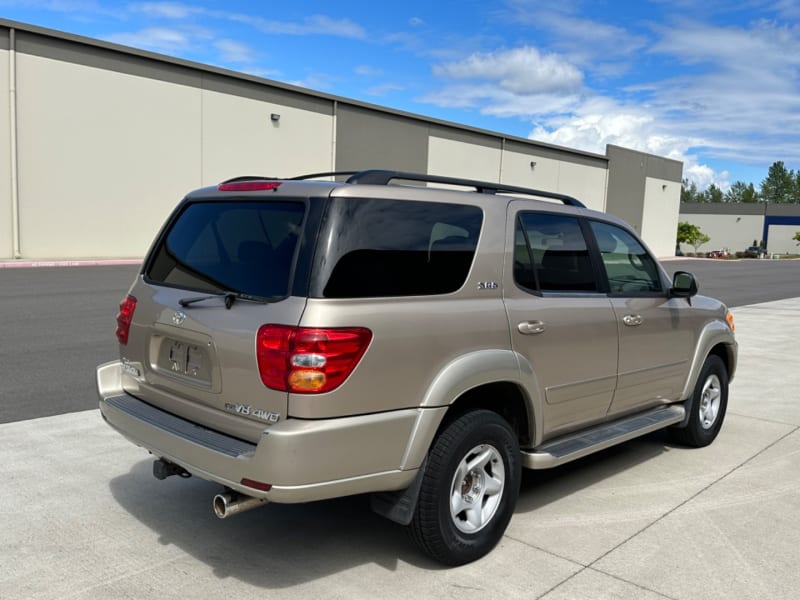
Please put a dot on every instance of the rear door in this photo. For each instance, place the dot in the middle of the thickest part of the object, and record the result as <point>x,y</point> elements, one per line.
<point>560,320</point>
<point>194,349</point>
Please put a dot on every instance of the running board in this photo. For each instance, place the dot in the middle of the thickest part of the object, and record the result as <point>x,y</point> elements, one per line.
<point>577,445</point>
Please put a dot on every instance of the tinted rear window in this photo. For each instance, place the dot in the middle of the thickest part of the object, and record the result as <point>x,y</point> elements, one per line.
<point>375,248</point>
<point>243,247</point>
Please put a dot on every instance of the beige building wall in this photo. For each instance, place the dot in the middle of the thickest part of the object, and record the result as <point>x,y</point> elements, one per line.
<point>240,137</point>
<point>530,171</point>
<point>103,157</point>
<point>451,158</point>
<point>473,161</point>
<point>780,239</point>
<point>587,184</point>
<point>109,139</point>
<point>735,232</point>
<point>660,215</point>
<point>6,209</point>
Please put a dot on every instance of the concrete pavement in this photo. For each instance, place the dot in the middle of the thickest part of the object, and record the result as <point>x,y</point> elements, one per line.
<point>82,517</point>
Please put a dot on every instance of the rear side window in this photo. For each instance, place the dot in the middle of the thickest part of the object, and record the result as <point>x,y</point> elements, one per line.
<point>550,250</point>
<point>242,247</point>
<point>378,248</point>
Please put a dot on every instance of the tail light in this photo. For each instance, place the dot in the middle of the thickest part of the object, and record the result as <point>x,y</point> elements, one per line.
<point>308,360</point>
<point>124,318</point>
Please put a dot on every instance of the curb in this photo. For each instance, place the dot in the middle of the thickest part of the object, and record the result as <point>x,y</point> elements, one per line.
<point>27,264</point>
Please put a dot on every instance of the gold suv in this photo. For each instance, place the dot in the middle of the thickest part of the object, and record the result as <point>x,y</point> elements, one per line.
<point>299,339</point>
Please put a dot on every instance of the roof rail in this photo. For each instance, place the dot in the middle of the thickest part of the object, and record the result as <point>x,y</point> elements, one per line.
<point>326,174</point>
<point>297,178</point>
<point>384,177</point>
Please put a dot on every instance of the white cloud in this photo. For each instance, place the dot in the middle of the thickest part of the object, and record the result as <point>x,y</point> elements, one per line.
<point>519,70</point>
<point>384,88</point>
<point>489,99</point>
<point>235,52</point>
<point>167,10</point>
<point>368,71</point>
<point>312,25</point>
<point>595,46</point>
<point>730,93</point>
<point>260,72</point>
<point>315,81</point>
<point>157,39</point>
<point>601,121</point>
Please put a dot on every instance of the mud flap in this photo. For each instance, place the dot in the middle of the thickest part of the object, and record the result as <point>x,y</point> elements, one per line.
<point>399,506</point>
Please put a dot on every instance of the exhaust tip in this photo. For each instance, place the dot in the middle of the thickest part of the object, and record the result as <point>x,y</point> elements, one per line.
<point>221,505</point>
<point>227,505</point>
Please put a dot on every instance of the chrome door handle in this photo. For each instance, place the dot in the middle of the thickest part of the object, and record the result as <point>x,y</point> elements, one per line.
<point>531,327</point>
<point>632,320</point>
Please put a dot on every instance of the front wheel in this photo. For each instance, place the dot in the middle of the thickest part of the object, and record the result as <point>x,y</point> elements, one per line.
<point>469,489</point>
<point>708,405</point>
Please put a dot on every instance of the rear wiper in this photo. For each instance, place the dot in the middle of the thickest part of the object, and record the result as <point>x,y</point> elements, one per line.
<point>229,298</point>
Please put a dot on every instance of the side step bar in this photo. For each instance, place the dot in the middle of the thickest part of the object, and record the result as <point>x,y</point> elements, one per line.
<point>577,445</point>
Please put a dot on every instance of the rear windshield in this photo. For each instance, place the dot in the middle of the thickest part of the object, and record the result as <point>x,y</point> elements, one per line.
<point>244,247</point>
<point>375,248</point>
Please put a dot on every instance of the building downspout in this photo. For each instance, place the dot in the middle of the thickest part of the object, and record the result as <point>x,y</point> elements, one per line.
<point>333,135</point>
<point>502,156</point>
<point>12,117</point>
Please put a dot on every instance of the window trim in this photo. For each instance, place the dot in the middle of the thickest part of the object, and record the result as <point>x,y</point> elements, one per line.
<point>601,283</point>
<point>595,258</point>
<point>160,242</point>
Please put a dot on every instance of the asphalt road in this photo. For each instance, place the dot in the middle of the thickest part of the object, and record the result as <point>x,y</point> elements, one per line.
<point>742,282</point>
<point>57,324</point>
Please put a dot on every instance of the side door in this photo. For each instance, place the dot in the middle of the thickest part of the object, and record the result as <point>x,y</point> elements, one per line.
<point>655,336</point>
<point>560,320</point>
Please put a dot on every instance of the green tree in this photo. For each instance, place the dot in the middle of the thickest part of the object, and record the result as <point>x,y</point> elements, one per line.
<point>689,192</point>
<point>779,187</point>
<point>741,192</point>
<point>691,234</point>
<point>796,193</point>
<point>797,237</point>
<point>713,194</point>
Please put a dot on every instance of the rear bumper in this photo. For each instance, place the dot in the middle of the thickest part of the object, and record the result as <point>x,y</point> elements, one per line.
<point>303,460</point>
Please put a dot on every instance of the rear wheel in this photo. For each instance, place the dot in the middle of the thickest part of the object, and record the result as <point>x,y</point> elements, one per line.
<point>469,489</point>
<point>708,405</point>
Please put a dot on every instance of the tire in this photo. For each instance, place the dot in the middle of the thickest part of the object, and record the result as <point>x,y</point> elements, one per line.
<point>708,405</point>
<point>469,489</point>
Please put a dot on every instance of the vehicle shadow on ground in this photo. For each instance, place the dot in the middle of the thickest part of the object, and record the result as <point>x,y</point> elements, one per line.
<point>279,545</point>
<point>542,487</point>
<point>275,546</point>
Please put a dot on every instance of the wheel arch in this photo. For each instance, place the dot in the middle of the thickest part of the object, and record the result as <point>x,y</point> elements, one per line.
<point>497,380</point>
<point>716,338</point>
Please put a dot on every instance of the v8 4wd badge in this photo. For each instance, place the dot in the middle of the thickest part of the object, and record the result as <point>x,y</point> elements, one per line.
<point>249,411</point>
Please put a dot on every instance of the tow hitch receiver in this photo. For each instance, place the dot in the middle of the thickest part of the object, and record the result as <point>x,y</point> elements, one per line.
<point>163,469</point>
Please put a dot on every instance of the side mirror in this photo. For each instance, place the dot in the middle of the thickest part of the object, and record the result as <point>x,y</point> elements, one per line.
<point>684,285</point>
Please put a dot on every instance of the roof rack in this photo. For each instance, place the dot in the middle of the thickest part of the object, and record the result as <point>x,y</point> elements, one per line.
<point>297,178</point>
<point>384,177</point>
<point>325,174</point>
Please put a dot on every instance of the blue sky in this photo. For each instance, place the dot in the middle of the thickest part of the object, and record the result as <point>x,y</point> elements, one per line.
<point>715,84</point>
